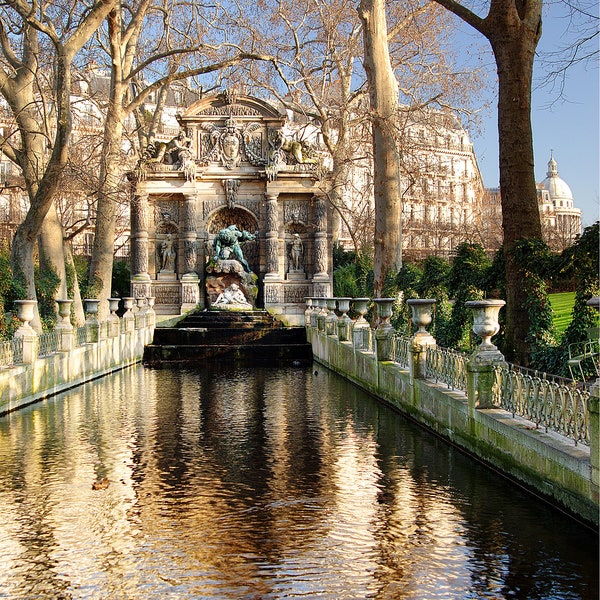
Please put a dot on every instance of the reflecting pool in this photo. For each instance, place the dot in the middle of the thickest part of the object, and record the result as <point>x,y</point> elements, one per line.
<point>261,484</point>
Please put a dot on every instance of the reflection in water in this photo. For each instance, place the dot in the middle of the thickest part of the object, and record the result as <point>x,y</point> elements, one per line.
<point>263,483</point>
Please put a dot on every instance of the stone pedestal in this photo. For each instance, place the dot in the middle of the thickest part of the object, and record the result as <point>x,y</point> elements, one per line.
<point>296,276</point>
<point>418,354</point>
<point>166,276</point>
<point>222,274</point>
<point>190,291</point>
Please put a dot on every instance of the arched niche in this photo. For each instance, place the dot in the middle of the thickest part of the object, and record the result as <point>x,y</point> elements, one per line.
<point>296,232</point>
<point>243,219</point>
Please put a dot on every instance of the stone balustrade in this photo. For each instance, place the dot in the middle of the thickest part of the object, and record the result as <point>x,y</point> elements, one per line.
<point>35,366</point>
<point>470,399</point>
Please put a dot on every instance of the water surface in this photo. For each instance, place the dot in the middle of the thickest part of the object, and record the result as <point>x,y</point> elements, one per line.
<point>261,484</point>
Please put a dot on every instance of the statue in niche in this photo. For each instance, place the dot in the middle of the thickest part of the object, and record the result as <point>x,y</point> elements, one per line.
<point>233,295</point>
<point>296,254</point>
<point>167,255</point>
<point>227,245</point>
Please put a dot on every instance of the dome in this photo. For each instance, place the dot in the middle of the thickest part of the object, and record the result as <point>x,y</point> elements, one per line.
<point>559,191</point>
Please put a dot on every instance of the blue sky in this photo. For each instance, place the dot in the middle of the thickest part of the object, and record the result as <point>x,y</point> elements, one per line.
<point>568,124</point>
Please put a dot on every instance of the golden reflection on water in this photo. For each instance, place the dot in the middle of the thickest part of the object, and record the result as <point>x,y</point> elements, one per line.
<point>256,484</point>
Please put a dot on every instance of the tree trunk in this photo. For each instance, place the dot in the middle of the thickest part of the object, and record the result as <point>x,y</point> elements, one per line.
<point>111,174</point>
<point>383,93</point>
<point>520,212</point>
<point>42,183</point>
<point>111,171</point>
<point>513,28</point>
<point>51,248</point>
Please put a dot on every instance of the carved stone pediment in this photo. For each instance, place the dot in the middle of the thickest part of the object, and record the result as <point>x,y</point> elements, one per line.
<point>230,105</point>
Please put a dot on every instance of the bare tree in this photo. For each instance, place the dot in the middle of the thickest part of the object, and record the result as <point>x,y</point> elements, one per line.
<point>29,32</point>
<point>321,80</point>
<point>148,46</point>
<point>383,93</point>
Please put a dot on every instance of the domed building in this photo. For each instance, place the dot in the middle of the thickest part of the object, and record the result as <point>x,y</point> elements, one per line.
<point>560,219</point>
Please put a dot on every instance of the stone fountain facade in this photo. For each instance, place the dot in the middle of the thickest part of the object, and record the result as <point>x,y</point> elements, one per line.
<point>232,164</point>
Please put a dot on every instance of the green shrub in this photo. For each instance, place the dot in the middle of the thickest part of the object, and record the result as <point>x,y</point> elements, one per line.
<point>466,281</point>
<point>11,289</point>
<point>121,279</point>
<point>46,284</point>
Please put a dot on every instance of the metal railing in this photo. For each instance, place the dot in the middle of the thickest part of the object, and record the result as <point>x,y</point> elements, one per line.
<point>447,366</point>
<point>402,350</point>
<point>550,403</point>
<point>7,355</point>
<point>49,343</point>
<point>83,335</point>
<point>547,401</point>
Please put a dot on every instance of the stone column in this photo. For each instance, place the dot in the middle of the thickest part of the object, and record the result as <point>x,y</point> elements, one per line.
<point>272,238</point>
<point>190,290</point>
<point>320,248</point>
<point>189,235</point>
<point>140,279</point>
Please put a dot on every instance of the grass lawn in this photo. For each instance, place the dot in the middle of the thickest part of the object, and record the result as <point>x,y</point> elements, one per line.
<point>562,306</point>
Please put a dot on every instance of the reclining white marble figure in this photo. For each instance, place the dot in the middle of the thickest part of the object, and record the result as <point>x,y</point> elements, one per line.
<point>232,295</point>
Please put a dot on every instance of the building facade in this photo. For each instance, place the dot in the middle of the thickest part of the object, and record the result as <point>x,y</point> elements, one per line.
<point>230,171</point>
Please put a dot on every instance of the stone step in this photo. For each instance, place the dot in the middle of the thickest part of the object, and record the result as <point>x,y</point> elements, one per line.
<point>228,335</point>
<point>222,319</point>
<point>270,354</point>
<point>246,337</point>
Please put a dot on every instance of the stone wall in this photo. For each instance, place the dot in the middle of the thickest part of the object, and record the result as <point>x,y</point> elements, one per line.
<point>546,463</point>
<point>119,344</point>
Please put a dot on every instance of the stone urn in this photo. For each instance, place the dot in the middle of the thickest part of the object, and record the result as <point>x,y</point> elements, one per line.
<point>64,313</point>
<point>485,323</point>
<point>321,313</point>
<point>128,304</point>
<point>91,306</point>
<point>421,314</point>
<point>384,311</point>
<point>313,311</point>
<point>25,314</point>
<point>309,305</point>
<point>344,321</point>
<point>331,319</point>
<point>594,302</point>
<point>361,331</point>
<point>113,307</point>
<point>343,306</point>
<point>141,304</point>
<point>361,306</point>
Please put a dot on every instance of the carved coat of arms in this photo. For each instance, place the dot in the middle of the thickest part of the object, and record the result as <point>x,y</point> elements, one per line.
<point>233,143</point>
